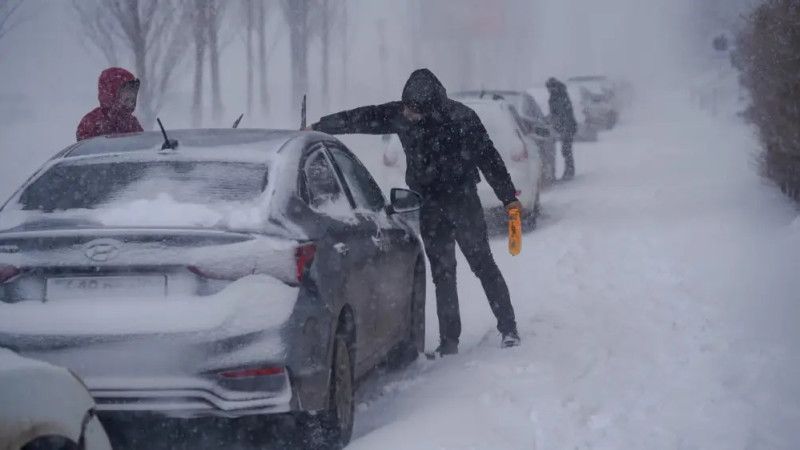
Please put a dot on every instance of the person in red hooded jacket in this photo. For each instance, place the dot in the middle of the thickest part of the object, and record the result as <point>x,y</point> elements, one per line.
<point>117,92</point>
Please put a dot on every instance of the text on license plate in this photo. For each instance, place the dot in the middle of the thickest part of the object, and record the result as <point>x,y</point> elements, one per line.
<point>93,287</point>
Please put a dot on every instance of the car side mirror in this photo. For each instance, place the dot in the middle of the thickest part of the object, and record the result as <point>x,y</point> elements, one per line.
<point>404,201</point>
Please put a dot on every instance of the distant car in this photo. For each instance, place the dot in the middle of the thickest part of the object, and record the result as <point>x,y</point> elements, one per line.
<point>585,132</point>
<point>598,100</point>
<point>244,273</point>
<point>519,152</point>
<point>45,407</point>
<point>533,122</point>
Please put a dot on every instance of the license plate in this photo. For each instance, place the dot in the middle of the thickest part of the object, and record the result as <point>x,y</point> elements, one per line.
<point>106,287</point>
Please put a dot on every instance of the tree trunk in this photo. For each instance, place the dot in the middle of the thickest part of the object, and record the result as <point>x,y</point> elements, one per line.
<point>197,96</point>
<point>147,90</point>
<point>299,46</point>
<point>249,11</point>
<point>216,88</point>
<point>199,62</point>
<point>344,49</point>
<point>262,55</point>
<point>296,12</point>
<point>326,49</point>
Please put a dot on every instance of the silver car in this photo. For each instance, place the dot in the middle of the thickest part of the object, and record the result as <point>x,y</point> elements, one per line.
<point>244,272</point>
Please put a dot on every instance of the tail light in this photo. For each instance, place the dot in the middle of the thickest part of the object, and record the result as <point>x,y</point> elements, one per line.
<point>304,254</point>
<point>8,272</point>
<point>250,373</point>
<point>522,154</point>
<point>390,159</point>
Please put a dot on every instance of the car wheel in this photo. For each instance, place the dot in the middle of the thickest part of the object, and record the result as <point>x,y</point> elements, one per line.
<point>409,349</point>
<point>549,169</point>
<point>51,443</point>
<point>531,216</point>
<point>332,429</point>
<point>611,120</point>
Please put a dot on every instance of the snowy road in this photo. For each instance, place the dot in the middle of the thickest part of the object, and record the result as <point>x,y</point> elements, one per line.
<point>657,304</point>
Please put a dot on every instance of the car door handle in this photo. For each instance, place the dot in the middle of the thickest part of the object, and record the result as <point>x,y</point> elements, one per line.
<point>342,248</point>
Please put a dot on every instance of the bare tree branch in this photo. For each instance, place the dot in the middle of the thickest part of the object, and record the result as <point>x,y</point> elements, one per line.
<point>146,33</point>
<point>8,10</point>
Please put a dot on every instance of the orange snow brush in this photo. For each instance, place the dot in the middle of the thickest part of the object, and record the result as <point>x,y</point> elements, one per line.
<point>514,232</point>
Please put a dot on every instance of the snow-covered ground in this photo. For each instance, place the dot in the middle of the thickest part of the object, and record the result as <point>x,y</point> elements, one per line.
<point>657,304</point>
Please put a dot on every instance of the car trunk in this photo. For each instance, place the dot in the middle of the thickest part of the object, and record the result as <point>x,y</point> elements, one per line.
<point>143,308</point>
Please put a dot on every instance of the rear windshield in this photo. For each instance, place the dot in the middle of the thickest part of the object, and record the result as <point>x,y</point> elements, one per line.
<point>500,125</point>
<point>497,121</point>
<point>81,185</point>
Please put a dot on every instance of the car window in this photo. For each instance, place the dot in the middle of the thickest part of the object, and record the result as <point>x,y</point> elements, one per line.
<point>321,181</point>
<point>366,192</point>
<point>96,183</point>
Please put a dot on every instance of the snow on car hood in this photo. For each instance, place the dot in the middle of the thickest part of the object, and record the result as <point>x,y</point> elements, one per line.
<point>255,302</point>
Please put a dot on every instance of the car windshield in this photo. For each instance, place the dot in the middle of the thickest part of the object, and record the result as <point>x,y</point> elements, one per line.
<point>142,193</point>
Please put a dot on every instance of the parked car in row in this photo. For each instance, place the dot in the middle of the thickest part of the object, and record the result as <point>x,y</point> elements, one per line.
<point>600,99</point>
<point>45,407</point>
<point>586,132</point>
<point>532,121</point>
<point>238,273</point>
<point>518,150</point>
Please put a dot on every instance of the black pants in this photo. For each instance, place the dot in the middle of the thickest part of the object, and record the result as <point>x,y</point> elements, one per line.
<point>566,151</point>
<point>458,218</point>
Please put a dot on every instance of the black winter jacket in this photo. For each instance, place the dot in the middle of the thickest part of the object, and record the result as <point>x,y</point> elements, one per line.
<point>561,114</point>
<point>444,151</point>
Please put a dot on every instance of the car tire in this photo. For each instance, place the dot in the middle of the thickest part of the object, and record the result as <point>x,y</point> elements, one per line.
<point>549,169</point>
<point>611,120</point>
<point>332,429</point>
<point>407,351</point>
<point>530,217</point>
<point>51,443</point>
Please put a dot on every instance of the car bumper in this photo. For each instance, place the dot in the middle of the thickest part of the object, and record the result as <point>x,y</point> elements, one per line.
<point>190,398</point>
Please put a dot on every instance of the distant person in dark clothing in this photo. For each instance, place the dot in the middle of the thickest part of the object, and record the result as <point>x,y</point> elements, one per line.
<point>563,120</point>
<point>445,145</point>
<point>117,92</point>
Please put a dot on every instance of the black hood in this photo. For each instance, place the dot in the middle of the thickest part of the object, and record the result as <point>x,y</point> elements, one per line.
<point>556,85</point>
<point>424,92</point>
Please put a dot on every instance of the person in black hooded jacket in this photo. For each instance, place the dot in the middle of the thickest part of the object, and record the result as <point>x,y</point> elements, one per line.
<point>445,145</point>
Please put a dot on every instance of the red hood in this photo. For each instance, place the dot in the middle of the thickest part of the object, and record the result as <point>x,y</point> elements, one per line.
<point>108,86</point>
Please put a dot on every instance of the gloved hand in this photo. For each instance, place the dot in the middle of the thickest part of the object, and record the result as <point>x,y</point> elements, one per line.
<point>516,204</point>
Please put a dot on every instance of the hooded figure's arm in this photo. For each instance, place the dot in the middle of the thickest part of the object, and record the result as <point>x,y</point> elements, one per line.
<point>377,119</point>
<point>489,160</point>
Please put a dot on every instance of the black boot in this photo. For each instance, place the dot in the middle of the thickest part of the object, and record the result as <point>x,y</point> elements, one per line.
<point>510,339</point>
<point>447,347</point>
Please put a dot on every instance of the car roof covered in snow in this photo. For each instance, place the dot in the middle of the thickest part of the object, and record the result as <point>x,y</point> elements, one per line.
<point>229,143</point>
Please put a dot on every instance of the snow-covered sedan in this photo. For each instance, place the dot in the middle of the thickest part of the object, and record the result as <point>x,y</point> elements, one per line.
<point>586,132</point>
<point>597,100</point>
<point>518,150</point>
<point>244,272</point>
<point>532,121</point>
<point>45,407</point>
